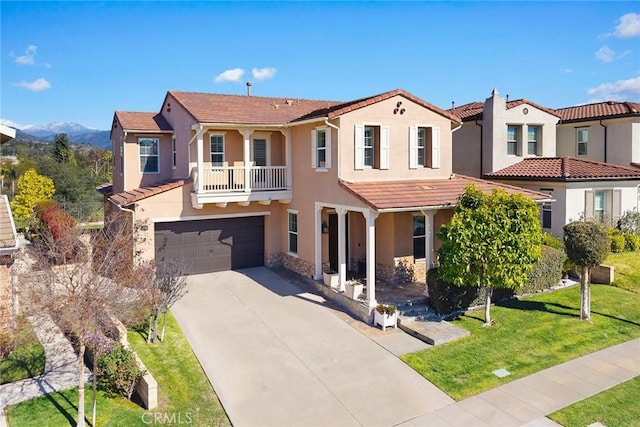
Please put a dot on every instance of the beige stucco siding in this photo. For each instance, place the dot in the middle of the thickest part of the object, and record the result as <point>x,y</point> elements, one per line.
<point>133,178</point>
<point>181,122</point>
<point>466,150</point>
<point>567,145</point>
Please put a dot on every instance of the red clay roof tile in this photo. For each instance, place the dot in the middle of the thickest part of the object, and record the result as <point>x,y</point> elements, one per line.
<point>474,110</point>
<point>599,110</point>
<point>146,122</point>
<point>565,169</point>
<point>128,197</point>
<point>423,194</point>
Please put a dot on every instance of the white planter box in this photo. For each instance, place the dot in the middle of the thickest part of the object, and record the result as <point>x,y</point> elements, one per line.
<point>331,279</point>
<point>385,320</point>
<point>354,289</point>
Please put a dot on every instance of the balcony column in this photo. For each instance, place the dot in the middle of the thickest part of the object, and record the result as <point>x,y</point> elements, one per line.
<point>200,157</point>
<point>246,135</point>
<point>287,156</point>
<point>370,217</point>
<point>342,253</point>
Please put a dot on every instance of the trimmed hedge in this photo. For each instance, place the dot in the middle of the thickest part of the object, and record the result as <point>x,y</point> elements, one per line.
<point>553,241</point>
<point>617,240</point>
<point>546,273</point>
<point>631,241</point>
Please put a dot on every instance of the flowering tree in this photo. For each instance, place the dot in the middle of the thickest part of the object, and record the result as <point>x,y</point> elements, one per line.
<point>32,190</point>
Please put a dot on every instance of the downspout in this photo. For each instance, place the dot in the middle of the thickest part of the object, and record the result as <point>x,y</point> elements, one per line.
<point>605,141</point>
<point>331,125</point>
<point>481,146</point>
<point>133,227</point>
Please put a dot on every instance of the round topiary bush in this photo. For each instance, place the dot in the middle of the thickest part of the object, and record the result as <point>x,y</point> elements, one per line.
<point>631,241</point>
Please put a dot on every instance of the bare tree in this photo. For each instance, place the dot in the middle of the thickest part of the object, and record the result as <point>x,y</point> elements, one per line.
<point>74,285</point>
<point>169,286</point>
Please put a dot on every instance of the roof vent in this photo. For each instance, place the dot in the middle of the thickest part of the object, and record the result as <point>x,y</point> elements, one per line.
<point>611,102</point>
<point>248,88</point>
<point>289,102</point>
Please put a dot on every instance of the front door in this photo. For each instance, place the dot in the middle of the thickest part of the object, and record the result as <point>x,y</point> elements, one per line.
<point>334,241</point>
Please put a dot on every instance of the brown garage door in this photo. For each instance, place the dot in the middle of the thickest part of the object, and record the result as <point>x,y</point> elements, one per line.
<point>204,246</point>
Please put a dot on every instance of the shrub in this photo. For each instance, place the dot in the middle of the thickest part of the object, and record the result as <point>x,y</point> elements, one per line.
<point>553,241</point>
<point>631,241</point>
<point>118,372</point>
<point>546,273</point>
<point>446,298</point>
<point>617,240</point>
<point>630,221</point>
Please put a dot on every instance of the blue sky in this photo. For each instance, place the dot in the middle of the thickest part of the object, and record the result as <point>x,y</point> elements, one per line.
<point>80,61</point>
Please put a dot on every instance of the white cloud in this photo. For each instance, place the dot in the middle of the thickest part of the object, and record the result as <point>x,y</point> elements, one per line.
<point>233,75</point>
<point>35,86</point>
<point>566,70</point>
<point>263,73</point>
<point>622,90</point>
<point>605,54</point>
<point>13,124</point>
<point>29,56</point>
<point>629,26</point>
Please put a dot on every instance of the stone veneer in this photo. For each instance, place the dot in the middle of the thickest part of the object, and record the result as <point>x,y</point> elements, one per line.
<point>302,267</point>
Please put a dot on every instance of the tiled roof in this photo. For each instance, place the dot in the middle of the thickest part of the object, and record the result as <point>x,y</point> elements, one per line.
<point>242,109</point>
<point>128,197</point>
<point>148,122</point>
<point>474,110</point>
<point>105,188</point>
<point>599,110</point>
<point>239,109</point>
<point>565,169</point>
<point>421,194</point>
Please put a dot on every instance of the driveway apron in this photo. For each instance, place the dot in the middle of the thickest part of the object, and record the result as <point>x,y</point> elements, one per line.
<point>277,357</point>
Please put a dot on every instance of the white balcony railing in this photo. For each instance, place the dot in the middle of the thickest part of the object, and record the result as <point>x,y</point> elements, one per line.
<point>225,179</point>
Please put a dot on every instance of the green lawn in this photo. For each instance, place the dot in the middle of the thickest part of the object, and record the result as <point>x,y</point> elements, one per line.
<point>529,335</point>
<point>627,270</point>
<point>616,407</point>
<point>185,395</point>
<point>27,360</point>
<point>184,388</point>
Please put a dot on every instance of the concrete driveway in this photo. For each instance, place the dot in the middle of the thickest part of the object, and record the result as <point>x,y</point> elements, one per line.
<point>277,357</point>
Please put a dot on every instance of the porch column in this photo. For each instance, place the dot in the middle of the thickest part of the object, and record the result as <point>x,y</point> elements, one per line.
<point>342,253</point>
<point>370,217</point>
<point>287,156</point>
<point>246,157</point>
<point>200,157</point>
<point>428,243</point>
<point>318,243</point>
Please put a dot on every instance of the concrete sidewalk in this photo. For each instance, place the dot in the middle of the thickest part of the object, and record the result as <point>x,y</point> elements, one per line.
<point>60,372</point>
<point>527,401</point>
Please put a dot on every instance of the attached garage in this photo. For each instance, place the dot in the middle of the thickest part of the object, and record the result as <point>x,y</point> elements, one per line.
<point>208,245</point>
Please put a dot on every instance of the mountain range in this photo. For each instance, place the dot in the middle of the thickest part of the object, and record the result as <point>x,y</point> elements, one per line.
<point>77,133</point>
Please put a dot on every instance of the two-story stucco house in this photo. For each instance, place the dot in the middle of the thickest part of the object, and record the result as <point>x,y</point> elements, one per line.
<point>225,181</point>
<point>605,132</point>
<point>559,152</point>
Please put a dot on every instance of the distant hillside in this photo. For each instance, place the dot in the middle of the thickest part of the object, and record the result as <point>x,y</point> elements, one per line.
<point>96,138</point>
<point>77,133</point>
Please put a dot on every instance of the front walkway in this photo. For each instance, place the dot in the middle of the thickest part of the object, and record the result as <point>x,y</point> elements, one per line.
<point>60,372</point>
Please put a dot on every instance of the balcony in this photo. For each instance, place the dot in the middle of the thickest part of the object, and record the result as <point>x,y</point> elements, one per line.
<point>241,184</point>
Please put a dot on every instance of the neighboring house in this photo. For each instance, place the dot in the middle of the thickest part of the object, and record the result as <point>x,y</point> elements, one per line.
<point>582,189</point>
<point>225,181</point>
<point>606,132</point>
<point>498,133</point>
<point>9,244</point>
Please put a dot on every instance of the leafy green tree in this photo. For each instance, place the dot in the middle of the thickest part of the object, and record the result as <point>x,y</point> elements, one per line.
<point>492,241</point>
<point>587,245</point>
<point>62,152</point>
<point>32,190</point>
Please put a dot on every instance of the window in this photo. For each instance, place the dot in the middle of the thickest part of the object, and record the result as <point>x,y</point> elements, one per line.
<point>148,149</point>
<point>371,147</point>
<point>582,140</point>
<point>419,237</point>
<point>217,150</point>
<point>293,232</point>
<point>599,205</point>
<point>321,148</point>
<point>173,152</point>
<point>532,140</point>
<point>546,215</point>
<point>512,140</point>
<point>422,138</point>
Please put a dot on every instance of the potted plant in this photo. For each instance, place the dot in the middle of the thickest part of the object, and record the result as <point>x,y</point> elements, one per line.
<point>386,315</point>
<point>330,278</point>
<point>354,289</point>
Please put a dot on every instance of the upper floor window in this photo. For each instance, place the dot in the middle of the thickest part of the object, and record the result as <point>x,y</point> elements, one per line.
<point>533,139</point>
<point>173,152</point>
<point>424,147</point>
<point>321,148</point>
<point>149,155</point>
<point>419,237</point>
<point>513,139</point>
<point>371,147</point>
<point>217,150</point>
<point>582,140</point>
